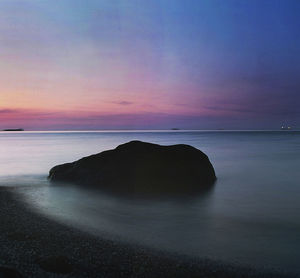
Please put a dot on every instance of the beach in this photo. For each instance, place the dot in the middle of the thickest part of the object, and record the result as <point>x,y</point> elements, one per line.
<point>35,246</point>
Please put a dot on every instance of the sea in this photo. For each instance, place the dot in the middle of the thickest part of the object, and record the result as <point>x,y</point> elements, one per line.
<point>251,216</point>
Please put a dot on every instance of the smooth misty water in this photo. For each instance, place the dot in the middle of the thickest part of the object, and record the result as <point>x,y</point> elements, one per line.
<point>251,216</point>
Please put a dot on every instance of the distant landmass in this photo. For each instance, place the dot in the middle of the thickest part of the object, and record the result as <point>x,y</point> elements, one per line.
<point>13,129</point>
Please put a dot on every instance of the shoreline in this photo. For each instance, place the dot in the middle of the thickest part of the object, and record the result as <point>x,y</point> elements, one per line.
<point>35,246</point>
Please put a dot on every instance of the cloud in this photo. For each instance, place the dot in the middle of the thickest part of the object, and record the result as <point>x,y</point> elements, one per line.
<point>8,111</point>
<point>123,102</point>
<point>51,120</point>
<point>74,120</point>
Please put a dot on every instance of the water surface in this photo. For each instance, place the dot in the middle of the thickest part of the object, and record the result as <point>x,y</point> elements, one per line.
<point>251,216</point>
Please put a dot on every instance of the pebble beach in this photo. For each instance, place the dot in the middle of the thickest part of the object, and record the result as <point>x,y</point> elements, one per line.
<point>34,246</point>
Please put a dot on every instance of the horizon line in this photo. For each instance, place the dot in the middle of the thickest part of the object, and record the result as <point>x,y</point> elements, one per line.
<point>142,130</point>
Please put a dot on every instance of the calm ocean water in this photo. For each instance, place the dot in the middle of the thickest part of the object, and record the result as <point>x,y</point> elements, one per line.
<point>251,216</point>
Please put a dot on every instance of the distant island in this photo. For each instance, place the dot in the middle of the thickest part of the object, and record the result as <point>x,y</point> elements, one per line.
<point>13,129</point>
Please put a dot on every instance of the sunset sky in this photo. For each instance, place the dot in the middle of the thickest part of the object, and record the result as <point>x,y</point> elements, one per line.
<point>139,64</point>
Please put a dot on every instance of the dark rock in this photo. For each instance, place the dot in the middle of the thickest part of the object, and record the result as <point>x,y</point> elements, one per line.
<point>139,167</point>
<point>9,273</point>
<point>56,264</point>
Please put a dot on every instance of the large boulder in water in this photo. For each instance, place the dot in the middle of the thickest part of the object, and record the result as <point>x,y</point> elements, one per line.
<point>139,167</point>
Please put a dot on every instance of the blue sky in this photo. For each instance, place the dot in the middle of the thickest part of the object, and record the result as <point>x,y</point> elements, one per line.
<point>149,64</point>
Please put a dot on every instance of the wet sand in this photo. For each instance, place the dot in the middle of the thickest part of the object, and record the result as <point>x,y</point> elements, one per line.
<point>34,246</point>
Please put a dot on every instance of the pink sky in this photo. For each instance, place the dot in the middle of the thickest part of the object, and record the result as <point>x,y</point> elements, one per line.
<point>106,65</point>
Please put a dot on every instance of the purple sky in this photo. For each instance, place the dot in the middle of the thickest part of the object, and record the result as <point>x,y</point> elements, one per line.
<point>87,64</point>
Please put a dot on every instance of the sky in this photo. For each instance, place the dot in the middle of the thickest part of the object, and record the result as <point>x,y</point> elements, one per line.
<point>137,64</point>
